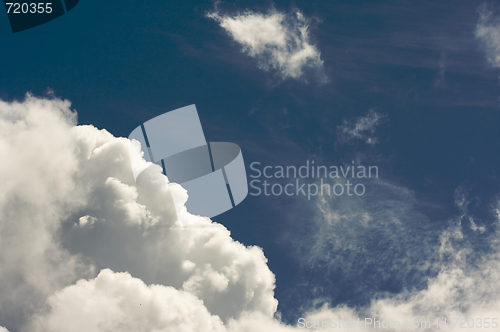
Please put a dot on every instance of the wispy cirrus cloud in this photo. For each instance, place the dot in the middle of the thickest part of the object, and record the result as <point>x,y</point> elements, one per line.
<point>467,285</point>
<point>488,33</point>
<point>361,128</point>
<point>440,80</point>
<point>435,269</point>
<point>279,42</point>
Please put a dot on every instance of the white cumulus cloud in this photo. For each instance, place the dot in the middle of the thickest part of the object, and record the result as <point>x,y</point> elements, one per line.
<point>69,207</point>
<point>277,41</point>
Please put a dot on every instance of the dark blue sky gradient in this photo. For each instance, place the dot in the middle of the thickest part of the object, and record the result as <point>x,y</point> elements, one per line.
<point>124,62</point>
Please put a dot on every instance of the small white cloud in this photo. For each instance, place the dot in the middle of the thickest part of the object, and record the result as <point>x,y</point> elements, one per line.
<point>362,128</point>
<point>475,227</point>
<point>86,221</point>
<point>488,32</point>
<point>277,41</point>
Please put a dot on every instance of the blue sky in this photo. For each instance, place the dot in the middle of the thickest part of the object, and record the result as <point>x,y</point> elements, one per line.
<point>411,87</point>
